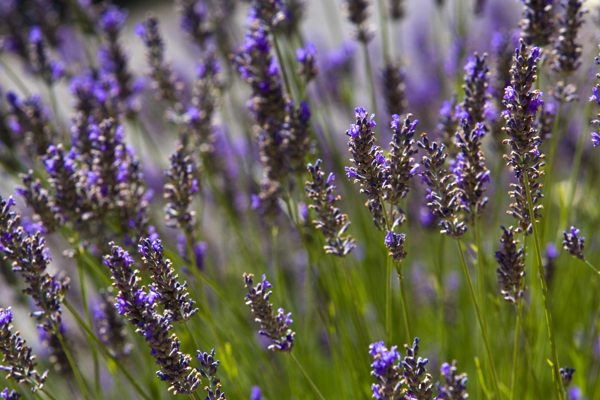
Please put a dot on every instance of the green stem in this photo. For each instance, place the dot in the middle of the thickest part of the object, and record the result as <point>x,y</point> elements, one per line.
<point>312,384</point>
<point>48,395</point>
<point>515,360</point>
<point>528,355</point>
<point>480,274</point>
<point>385,41</point>
<point>549,169</point>
<point>480,320</point>
<point>404,303</point>
<point>101,346</point>
<point>388,300</point>
<point>88,318</point>
<point>78,377</point>
<point>370,83</point>
<point>540,265</point>
<point>286,80</point>
<point>589,264</point>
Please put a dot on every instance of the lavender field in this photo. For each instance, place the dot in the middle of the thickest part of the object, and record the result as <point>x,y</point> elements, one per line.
<point>295,199</point>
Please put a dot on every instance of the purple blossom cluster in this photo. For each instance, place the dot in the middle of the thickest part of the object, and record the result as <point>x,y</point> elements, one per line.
<point>273,326</point>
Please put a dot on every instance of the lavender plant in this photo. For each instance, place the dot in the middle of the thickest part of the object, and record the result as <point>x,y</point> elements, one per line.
<point>234,99</point>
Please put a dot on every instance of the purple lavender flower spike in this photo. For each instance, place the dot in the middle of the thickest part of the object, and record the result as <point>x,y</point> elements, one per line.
<point>307,59</point>
<point>18,360</point>
<point>49,70</point>
<point>140,308</point>
<point>455,386</point>
<point>109,327</point>
<point>511,272</point>
<point>574,244</point>
<point>256,393</point>
<point>567,51</point>
<point>274,327</point>
<point>393,77</point>
<point>12,395</point>
<point>208,371</point>
<point>357,12</point>
<point>386,371</point>
<point>367,171</point>
<point>566,374</point>
<point>537,24</point>
<point>417,380</point>
<point>525,159</point>
<point>395,242</point>
<point>330,221</point>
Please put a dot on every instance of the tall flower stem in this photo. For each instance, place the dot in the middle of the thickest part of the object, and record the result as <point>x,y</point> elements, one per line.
<point>78,377</point>
<point>15,78</point>
<point>385,39</point>
<point>515,361</point>
<point>89,321</point>
<point>404,302</point>
<point>540,267</point>
<point>369,72</point>
<point>388,300</point>
<point>312,384</point>
<point>480,274</point>
<point>519,310</point>
<point>549,169</point>
<point>103,348</point>
<point>286,80</point>
<point>480,320</point>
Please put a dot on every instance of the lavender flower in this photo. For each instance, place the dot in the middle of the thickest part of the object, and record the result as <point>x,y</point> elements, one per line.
<point>17,358</point>
<point>395,242</point>
<point>574,244</point>
<point>511,272</point>
<point>386,371</point>
<point>269,12</point>
<point>475,87</point>
<point>537,24</point>
<point>113,60</point>
<point>50,71</point>
<point>40,201</point>
<point>400,159</point>
<point>179,190</point>
<point>140,308</point>
<point>525,158</point>
<point>110,327</point>
<point>256,393</point>
<point>30,256</point>
<point>274,327</point>
<point>307,59</point>
<point>266,203</point>
<point>566,50</point>
<point>596,98</point>
<point>566,374</point>
<point>370,168</point>
<point>172,294</point>
<point>55,350</point>
<point>357,12</point>
<point>455,387</point>
<point>393,79</point>
<point>396,9</point>
<point>208,371</point>
<point>12,395</point>
<point>470,171</point>
<point>195,21</point>
<point>297,141</point>
<point>166,84</point>
<point>31,119</point>
<point>258,67</point>
<point>417,380</point>
<point>331,222</point>
<point>443,197</point>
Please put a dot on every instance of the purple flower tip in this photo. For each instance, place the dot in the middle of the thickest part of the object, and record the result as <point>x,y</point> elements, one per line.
<point>35,36</point>
<point>395,124</point>
<point>551,251</point>
<point>574,231</point>
<point>536,103</point>
<point>255,394</point>
<point>265,283</point>
<point>350,173</point>
<point>445,369</point>
<point>140,30</point>
<point>509,93</point>
<point>389,239</point>
<point>6,317</point>
<point>330,178</point>
<point>360,112</point>
<point>535,53</point>
<point>595,139</point>
<point>595,97</point>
